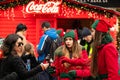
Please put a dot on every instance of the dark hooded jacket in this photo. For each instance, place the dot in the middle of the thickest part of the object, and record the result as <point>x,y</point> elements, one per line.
<point>44,43</point>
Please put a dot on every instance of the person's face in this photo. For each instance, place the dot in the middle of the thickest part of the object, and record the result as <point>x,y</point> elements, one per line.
<point>88,38</point>
<point>69,42</point>
<point>24,32</point>
<point>19,46</point>
<point>44,29</point>
<point>93,32</point>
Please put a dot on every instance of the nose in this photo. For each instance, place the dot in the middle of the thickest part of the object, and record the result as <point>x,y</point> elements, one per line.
<point>68,41</point>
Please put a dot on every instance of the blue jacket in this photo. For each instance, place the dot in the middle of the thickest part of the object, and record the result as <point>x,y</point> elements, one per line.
<point>44,43</point>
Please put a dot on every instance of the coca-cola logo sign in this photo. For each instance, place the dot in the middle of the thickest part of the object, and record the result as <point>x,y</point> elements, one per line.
<point>49,7</point>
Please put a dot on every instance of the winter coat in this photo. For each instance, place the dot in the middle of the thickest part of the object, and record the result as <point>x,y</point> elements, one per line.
<point>81,70</point>
<point>15,64</point>
<point>32,58</point>
<point>108,61</point>
<point>44,43</point>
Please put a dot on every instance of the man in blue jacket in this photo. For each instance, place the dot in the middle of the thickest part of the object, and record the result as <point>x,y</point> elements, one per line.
<point>44,45</point>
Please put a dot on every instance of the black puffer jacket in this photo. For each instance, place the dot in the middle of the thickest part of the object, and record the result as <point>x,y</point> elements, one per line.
<point>15,64</point>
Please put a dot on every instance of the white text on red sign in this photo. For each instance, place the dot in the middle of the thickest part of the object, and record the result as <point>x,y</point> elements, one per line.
<point>49,7</point>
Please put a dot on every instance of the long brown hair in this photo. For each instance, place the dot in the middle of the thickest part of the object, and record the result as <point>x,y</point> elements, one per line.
<point>9,44</point>
<point>97,42</point>
<point>76,50</point>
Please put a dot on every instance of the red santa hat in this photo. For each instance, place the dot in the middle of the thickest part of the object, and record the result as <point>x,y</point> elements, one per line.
<point>101,25</point>
<point>60,32</point>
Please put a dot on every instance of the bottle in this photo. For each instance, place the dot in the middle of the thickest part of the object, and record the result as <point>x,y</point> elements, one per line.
<point>28,64</point>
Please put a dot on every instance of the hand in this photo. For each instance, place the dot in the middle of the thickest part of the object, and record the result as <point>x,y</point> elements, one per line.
<point>64,59</point>
<point>72,73</point>
<point>51,69</point>
<point>44,65</point>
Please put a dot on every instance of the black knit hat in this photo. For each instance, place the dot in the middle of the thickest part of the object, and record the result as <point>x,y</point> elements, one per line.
<point>85,32</point>
<point>20,27</point>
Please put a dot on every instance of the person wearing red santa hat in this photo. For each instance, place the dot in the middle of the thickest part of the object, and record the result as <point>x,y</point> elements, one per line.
<point>104,64</point>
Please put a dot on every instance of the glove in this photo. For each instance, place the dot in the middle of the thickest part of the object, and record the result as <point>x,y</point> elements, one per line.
<point>51,69</point>
<point>65,75</point>
<point>72,73</point>
<point>119,72</point>
<point>64,59</point>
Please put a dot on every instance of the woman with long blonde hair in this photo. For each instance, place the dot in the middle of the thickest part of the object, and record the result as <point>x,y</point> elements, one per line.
<point>70,60</point>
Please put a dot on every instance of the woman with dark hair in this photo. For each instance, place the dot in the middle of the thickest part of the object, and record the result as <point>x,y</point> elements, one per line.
<point>104,65</point>
<point>12,61</point>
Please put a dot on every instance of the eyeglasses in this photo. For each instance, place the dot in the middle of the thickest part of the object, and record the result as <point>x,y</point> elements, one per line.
<point>20,44</point>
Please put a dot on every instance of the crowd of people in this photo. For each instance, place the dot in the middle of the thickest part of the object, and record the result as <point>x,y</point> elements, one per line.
<point>88,55</point>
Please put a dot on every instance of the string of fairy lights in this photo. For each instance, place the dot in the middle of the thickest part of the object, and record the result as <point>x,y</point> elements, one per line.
<point>72,4</point>
<point>13,4</point>
<point>118,39</point>
<point>118,33</point>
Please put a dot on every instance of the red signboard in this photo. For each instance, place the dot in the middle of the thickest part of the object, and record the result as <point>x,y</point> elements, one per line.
<point>49,7</point>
